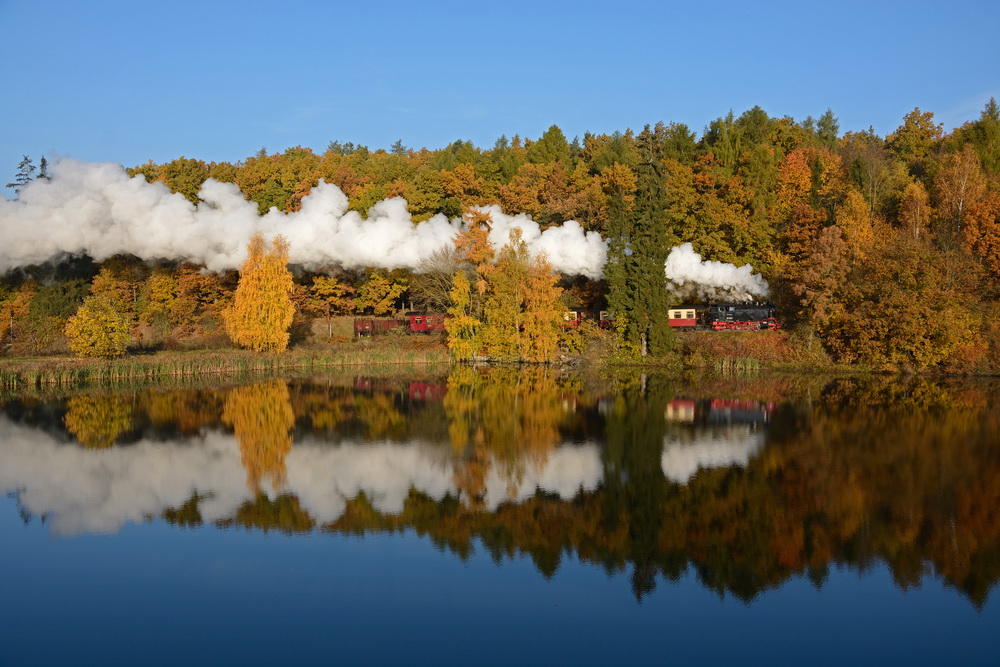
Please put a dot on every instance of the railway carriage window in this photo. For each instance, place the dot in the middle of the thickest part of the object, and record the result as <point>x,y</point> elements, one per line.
<point>418,320</point>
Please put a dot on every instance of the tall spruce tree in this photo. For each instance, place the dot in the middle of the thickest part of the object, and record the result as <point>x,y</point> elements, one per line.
<point>25,174</point>
<point>637,286</point>
<point>620,261</point>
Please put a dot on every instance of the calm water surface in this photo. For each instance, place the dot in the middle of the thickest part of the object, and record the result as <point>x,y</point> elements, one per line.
<point>501,517</point>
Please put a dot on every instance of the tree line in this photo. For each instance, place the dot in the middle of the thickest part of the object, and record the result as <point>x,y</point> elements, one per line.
<point>885,251</point>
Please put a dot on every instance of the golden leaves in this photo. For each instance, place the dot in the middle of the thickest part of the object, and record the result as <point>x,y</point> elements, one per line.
<point>262,419</point>
<point>262,308</point>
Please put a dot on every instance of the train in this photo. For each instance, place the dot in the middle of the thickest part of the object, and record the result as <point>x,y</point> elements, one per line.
<point>724,317</point>
<point>414,322</point>
<point>700,317</point>
<point>697,317</point>
<point>720,411</point>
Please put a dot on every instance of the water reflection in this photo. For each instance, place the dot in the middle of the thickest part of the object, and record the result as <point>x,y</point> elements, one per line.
<point>98,421</point>
<point>712,433</point>
<point>261,417</point>
<point>749,484</point>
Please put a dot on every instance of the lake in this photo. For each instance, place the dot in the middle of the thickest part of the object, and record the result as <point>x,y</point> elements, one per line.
<point>503,516</point>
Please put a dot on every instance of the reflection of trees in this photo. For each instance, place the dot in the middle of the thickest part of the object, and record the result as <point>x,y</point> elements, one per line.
<point>905,472</point>
<point>839,483</point>
<point>324,406</point>
<point>182,411</point>
<point>635,485</point>
<point>99,420</point>
<point>187,515</point>
<point>902,483</point>
<point>504,419</point>
<point>375,411</point>
<point>379,415</point>
<point>283,514</point>
<point>262,419</point>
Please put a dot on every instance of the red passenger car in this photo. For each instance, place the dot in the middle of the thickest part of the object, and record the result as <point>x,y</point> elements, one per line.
<point>425,322</point>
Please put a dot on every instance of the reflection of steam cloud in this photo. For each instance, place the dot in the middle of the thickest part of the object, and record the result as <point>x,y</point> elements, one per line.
<point>717,448</point>
<point>84,491</point>
<point>98,210</point>
<point>325,478</point>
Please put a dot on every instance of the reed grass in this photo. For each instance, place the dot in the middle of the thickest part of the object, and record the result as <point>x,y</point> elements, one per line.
<point>26,374</point>
<point>737,366</point>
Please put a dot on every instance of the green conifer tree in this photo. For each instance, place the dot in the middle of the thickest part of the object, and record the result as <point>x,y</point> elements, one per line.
<point>25,174</point>
<point>637,252</point>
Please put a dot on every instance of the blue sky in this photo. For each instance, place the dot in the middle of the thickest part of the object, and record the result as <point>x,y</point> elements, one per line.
<point>127,82</point>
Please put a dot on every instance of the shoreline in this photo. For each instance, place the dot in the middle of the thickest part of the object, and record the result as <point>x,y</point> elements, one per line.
<point>170,366</point>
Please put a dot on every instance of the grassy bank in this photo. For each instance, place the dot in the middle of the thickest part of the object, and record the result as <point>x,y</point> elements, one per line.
<point>741,353</point>
<point>750,351</point>
<point>39,372</point>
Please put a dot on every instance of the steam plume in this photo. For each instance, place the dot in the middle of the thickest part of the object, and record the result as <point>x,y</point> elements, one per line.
<point>97,209</point>
<point>691,277</point>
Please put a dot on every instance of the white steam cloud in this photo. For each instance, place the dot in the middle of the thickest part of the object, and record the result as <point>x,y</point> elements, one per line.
<point>691,277</point>
<point>97,209</point>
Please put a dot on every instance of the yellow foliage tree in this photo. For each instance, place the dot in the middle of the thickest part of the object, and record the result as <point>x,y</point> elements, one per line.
<point>504,308</point>
<point>159,294</point>
<point>462,326</point>
<point>102,327</point>
<point>326,296</point>
<point>262,308</point>
<point>854,219</point>
<point>523,309</point>
<point>543,311</point>
<point>380,291</point>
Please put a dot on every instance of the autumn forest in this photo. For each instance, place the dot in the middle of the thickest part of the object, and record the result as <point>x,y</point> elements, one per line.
<point>880,252</point>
